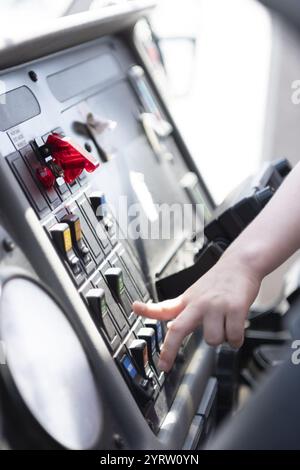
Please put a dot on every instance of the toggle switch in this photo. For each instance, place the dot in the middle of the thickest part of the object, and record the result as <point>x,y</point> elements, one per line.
<point>156,325</point>
<point>74,224</point>
<point>98,305</point>
<point>99,205</point>
<point>66,158</point>
<point>50,170</point>
<point>139,351</point>
<point>143,388</point>
<point>148,335</point>
<point>61,236</point>
<point>114,278</point>
<point>100,208</point>
<point>45,177</point>
<point>97,301</point>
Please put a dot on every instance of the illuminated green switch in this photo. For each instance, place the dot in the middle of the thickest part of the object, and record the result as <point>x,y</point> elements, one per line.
<point>114,278</point>
<point>99,310</point>
<point>97,302</point>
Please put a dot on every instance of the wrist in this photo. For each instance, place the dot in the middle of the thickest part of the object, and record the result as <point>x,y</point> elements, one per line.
<point>250,257</point>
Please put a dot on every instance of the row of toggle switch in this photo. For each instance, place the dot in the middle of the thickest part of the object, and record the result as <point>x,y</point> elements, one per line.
<point>139,358</point>
<point>68,238</point>
<point>140,362</point>
<point>74,246</point>
<point>96,299</point>
<point>144,350</point>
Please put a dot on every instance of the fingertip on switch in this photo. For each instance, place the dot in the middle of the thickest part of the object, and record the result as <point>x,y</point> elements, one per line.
<point>138,307</point>
<point>163,366</point>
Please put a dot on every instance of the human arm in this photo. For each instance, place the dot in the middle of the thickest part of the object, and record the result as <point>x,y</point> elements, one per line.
<point>220,300</point>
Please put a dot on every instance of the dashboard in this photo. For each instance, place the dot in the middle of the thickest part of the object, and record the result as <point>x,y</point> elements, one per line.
<point>90,161</point>
<point>77,225</point>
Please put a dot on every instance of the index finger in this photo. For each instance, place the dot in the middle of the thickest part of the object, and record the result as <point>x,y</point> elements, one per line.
<point>166,310</point>
<point>178,330</point>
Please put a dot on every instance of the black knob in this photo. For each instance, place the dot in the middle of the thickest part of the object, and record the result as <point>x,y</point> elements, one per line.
<point>283,167</point>
<point>264,195</point>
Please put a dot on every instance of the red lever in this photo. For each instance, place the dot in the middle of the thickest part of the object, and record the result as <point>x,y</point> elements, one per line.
<point>46,177</point>
<point>72,158</point>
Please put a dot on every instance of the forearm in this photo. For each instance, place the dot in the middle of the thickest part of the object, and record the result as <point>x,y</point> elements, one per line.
<point>220,300</point>
<point>275,233</point>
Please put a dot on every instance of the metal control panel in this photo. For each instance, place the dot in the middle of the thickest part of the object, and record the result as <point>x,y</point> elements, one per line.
<point>95,104</point>
<point>90,159</point>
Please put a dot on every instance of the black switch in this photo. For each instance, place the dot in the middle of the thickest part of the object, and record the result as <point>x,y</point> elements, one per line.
<point>283,167</point>
<point>61,236</point>
<point>100,208</point>
<point>139,351</point>
<point>114,278</point>
<point>113,307</point>
<point>97,302</point>
<point>148,335</point>
<point>73,222</point>
<point>143,388</point>
<point>263,196</point>
<point>156,325</point>
<point>99,205</point>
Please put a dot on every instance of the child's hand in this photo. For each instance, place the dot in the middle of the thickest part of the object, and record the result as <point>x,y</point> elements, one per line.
<point>219,301</point>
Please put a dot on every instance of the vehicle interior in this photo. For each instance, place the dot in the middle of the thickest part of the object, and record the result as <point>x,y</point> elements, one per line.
<point>90,149</point>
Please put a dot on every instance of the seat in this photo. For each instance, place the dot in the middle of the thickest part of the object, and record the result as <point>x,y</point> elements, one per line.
<point>271,418</point>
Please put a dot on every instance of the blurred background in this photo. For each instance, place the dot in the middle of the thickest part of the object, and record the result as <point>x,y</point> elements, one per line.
<point>226,68</point>
<point>217,57</point>
<point>218,81</point>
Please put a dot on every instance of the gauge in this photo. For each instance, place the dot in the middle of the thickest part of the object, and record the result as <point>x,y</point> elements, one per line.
<point>46,368</point>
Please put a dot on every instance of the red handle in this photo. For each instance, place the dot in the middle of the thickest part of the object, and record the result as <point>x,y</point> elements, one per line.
<point>72,158</point>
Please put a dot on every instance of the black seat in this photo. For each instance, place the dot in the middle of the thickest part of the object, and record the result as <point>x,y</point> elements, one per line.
<point>271,418</point>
